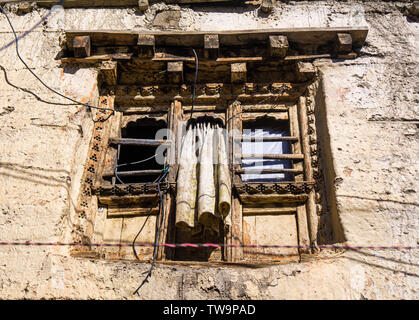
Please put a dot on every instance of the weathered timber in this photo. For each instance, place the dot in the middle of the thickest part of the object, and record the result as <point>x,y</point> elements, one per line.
<point>167,233</point>
<point>299,36</point>
<point>138,142</point>
<point>305,71</point>
<point>134,173</point>
<point>238,72</point>
<point>146,200</point>
<point>278,46</point>
<point>81,46</point>
<point>254,199</point>
<point>175,72</point>
<point>303,232</point>
<point>273,156</point>
<point>295,147</point>
<point>146,45</point>
<point>268,211</point>
<point>143,5</point>
<point>343,43</point>
<point>131,211</point>
<point>311,216</point>
<point>211,46</point>
<point>266,6</point>
<point>108,72</point>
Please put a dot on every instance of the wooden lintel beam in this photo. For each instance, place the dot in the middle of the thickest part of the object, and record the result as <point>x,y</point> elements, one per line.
<point>81,46</point>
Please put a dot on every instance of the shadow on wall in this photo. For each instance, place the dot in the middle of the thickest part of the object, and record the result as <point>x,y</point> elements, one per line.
<point>331,219</point>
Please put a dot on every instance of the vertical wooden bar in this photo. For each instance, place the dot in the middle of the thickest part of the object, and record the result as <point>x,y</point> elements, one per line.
<point>308,171</point>
<point>235,236</point>
<point>167,231</point>
<point>298,131</point>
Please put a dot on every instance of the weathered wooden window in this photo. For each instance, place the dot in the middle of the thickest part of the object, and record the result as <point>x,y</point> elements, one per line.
<point>253,83</point>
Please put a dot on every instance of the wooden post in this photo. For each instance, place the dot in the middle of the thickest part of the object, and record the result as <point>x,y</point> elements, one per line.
<point>308,170</point>
<point>303,235</point>
<point>235,235</point>
<point>167,233</point>
<point>81,46</point>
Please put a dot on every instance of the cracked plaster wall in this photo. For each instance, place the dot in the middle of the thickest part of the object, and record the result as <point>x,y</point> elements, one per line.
<point>372,116</point>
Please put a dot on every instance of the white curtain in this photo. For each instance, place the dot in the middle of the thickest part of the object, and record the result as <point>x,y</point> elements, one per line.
<point>203,183</point>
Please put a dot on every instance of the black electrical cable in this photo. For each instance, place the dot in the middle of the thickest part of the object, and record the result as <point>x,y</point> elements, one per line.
<point>59,3</point>
<point>43,83</point>
<point>156,238</point>
<point>194,84</point>
<point>148,216</point>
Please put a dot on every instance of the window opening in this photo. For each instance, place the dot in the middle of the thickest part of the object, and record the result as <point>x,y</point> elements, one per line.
<point>259,138</point>
<point>140,129</point>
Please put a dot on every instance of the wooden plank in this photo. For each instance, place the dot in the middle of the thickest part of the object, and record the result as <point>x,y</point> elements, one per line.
<point>268,211</point>
<point>138,142</point>
<point>273,156</point>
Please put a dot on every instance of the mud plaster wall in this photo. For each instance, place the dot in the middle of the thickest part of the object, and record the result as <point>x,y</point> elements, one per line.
<point>371,105</point>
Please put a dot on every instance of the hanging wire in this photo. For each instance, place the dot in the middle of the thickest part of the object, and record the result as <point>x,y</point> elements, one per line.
<point>161,209</point>
<point>39,79</point>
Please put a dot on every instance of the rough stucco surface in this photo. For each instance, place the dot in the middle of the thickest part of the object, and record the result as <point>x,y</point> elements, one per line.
<point>372,106</point>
